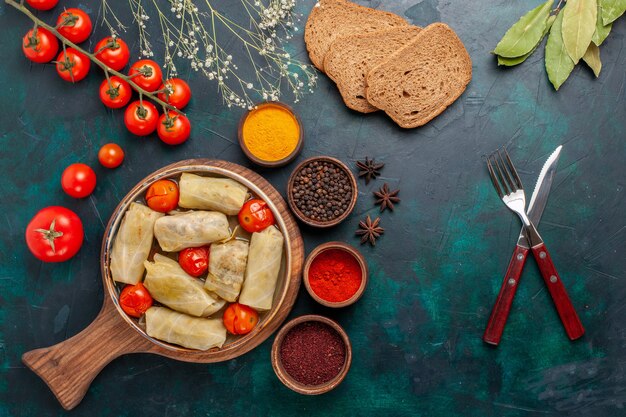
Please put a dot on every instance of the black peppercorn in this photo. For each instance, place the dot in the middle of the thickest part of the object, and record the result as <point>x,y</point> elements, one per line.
<point>322,191</point>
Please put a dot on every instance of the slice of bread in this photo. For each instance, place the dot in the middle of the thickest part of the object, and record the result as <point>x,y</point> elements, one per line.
<point>418,82</point>
<point>332,18</point>
<point>351,57</point>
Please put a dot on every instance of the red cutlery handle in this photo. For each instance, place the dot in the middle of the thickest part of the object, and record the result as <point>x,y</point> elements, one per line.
<point>500,312</point>
<point>562,302</point>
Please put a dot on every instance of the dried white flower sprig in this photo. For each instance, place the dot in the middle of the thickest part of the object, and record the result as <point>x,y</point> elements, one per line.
<point>190,29</point>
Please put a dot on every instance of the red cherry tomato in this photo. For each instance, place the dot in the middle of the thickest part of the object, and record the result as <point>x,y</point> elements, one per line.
<point>162,196</point>
<point>240,319</point>
<point>40,47</point>
<point>112,52</point>
<point>111,155</point>
<point>255,215</point>
<point>135,300</point>
<point>146,74</point>
<point>54,234</point>
<point>115,92</point>
<point>74,24</point>
<point>72,65</point>
<point>78,180</point>
<point>42,4</point>
<point>173,128</point>
<point>194,261</point>
<point>177,92</point>
<point>141,119</point>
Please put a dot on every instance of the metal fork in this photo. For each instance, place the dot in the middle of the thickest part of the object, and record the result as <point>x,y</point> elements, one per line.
<point>510,189</point>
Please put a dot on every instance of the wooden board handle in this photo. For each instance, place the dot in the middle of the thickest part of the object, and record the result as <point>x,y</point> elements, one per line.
<point>69,367</point>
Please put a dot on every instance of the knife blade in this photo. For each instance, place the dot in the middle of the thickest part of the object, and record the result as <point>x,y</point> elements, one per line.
<point>536,205</point>
<point>540,194</point>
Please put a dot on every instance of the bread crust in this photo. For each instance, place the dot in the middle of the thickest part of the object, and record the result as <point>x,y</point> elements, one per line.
<point>419,81</point>
<point>332,18</point>
<point>351,57</point>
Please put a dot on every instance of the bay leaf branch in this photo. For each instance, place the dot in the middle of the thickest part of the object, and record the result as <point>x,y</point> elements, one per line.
<point>579,24</point>
<point>612,9</point>
<point>602,30</point>
<point>592,58</point>
<point>559,65</point>
<point>525,33</point>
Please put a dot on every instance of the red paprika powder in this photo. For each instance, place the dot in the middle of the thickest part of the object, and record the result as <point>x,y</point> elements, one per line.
<point>335,275</point>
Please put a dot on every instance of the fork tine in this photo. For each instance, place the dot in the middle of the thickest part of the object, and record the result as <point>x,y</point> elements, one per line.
<point>513,170</point>
<point>507,172</point>
<point>503,181</point>
<point>494,180</point>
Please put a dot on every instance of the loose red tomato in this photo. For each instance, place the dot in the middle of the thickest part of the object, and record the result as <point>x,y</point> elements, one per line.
<point>175,92</point>
<point>115,92</point>
<point>112,52</point>
<point>140,118</point>
<point>240,319</point>
<point>72,65</point>
<point>42,4</point>
<point>78,180</point>
<point>74,24</point>
<point>111,155</point>
<point>255,215</point>
<point>162,196</point>
<point>194,261</point>
<point>146,74</point>
<point>173,128</point>
<point>135,300</point>
<point>40,47</point>
<point>54,234</point>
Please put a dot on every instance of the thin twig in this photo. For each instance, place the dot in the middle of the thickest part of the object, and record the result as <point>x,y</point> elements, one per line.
<point>558,6</point>
<point>191,36</point>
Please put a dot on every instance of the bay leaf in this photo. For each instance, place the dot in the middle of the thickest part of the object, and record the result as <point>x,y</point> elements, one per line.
<point>612,9</point>
<point>592,58</point>
<point>510,62</point>
<point>559,65</point>
<point>579,23</point>
<point>602,31</point>
<point>525,33</point>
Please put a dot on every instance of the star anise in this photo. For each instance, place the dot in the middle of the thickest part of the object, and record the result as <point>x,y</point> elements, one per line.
<point>369,169</point>
<point>370,230</point>
<point>386,198</point>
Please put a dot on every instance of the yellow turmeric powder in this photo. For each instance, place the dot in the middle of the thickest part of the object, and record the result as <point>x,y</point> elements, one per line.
<point>271,132</point>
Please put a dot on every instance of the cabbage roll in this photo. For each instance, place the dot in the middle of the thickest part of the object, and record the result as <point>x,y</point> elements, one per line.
<point>210,193</point>
<point>266,252</point>
<point>190,332</point>
<point>190,230</point>
<point>133,243</point>
<point>169,284</point>
<point>227,265</point>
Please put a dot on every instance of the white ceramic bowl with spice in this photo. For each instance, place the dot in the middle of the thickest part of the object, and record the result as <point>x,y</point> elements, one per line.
<point>354,255</point>
<point>292,383</point>
<point>282,111</point>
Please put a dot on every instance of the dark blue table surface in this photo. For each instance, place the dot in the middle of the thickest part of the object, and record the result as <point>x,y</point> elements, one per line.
<point>434,274</point>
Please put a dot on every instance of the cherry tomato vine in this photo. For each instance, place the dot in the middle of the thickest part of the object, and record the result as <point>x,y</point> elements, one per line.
<point>142,78</point>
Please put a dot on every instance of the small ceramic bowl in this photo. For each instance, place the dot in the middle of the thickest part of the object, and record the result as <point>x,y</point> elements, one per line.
<point>315,223</point>
<point>287,379</point>
<point>355,254</point>
<point>263,162</point>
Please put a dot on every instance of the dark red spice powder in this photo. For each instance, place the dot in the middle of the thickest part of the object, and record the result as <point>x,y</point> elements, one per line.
<point>312,353</point>
<point>335,275</point>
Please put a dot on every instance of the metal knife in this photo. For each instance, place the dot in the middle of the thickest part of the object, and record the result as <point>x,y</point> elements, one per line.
<point>538,200</point>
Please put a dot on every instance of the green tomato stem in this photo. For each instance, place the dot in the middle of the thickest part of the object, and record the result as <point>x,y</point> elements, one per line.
<point>50,234</point>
